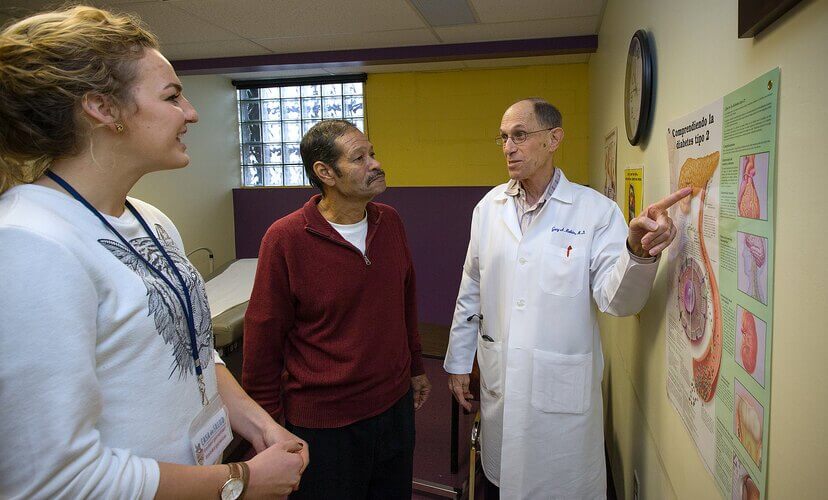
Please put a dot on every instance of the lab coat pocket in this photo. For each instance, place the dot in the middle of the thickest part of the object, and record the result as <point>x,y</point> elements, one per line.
<point>488,357</point>
<point>561,383</point>
<point>562,267</point>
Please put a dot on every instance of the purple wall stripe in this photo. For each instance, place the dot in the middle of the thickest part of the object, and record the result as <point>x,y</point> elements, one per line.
<point>390,55</point>
<point>437,222</point>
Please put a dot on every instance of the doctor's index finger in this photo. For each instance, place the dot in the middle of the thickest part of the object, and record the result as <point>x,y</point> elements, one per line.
<point>672,199</point>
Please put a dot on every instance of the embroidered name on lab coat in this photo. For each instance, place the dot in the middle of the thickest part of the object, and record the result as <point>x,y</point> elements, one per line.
<point>556,229</point>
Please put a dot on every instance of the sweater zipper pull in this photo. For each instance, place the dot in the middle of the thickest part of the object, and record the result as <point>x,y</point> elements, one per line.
<point>367,260</point>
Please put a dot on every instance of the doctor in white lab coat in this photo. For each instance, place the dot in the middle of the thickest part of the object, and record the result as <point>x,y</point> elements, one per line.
<point>542,251</point>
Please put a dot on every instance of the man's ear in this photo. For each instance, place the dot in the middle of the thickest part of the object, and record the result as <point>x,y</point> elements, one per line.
<point>101,110</point>
<point>556,136</point>
<point>325,173</point>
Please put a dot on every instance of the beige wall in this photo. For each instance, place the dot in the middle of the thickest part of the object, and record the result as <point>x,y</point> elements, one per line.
<point>700,58</point>
<point>198,198</point>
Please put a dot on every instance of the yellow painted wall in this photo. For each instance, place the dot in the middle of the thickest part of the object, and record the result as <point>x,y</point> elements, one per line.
<point>699,59</point>
<point>438,128</point>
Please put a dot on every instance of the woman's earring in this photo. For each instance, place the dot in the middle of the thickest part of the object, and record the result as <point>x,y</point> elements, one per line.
<point>119,127</point>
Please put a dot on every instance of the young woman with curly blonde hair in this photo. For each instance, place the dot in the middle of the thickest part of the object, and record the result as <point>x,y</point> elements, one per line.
<point>110,384</point>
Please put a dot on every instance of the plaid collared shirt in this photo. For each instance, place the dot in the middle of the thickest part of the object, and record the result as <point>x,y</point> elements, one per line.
<point>526,214</point>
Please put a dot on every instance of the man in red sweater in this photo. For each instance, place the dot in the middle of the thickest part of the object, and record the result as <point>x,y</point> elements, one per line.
<point>330,335</point>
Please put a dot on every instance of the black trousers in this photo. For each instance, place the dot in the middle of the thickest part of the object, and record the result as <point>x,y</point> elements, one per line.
<point>490,490</point>
<point>369,459</point>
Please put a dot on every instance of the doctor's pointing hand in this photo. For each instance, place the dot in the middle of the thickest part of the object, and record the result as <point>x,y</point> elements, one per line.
<point>653,230</point>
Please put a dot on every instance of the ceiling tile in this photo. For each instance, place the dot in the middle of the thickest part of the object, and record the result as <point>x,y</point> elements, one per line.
<point>542,28</point>
<point>346,41</point>
<point>246,18</point>
<point>496,11</point>
<point>302,17</point>
<point>209,50</point>
<point>445,12</point>
<point>21,8</point>
<point>173,25</point>
<point>18,9</point>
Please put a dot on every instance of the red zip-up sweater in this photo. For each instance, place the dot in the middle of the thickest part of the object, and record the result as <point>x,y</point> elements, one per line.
<point>341,325</point>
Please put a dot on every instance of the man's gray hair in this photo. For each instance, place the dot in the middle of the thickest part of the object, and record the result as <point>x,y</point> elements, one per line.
<point>547,115</point>
<point>319,144</point>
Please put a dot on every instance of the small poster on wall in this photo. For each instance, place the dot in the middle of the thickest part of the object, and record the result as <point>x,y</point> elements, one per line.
<point>720,292</point>
<point>610,150</point>
<point>633,192</point>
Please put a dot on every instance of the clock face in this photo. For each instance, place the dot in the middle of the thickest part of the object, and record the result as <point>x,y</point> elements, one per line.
<point>635,71</point>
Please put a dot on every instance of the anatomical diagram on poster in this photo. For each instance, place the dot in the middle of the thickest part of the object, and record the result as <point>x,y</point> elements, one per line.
<point>720,268</point>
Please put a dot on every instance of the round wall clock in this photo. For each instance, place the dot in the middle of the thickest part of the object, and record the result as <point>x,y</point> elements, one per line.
<point>638,87</point>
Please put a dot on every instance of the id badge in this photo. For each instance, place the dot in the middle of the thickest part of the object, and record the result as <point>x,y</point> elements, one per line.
<point>210,433</point>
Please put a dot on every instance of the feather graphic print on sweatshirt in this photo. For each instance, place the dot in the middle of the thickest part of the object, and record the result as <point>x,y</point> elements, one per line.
<point>165,308</point>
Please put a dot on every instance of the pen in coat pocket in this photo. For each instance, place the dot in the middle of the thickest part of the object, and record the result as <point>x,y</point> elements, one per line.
<point>480,327</point>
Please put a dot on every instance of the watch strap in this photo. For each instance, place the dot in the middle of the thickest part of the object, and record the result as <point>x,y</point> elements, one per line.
<point>238,471</point>
<point>245,476</point>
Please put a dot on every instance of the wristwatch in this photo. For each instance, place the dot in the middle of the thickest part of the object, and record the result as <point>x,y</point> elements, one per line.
<point>236,484</point>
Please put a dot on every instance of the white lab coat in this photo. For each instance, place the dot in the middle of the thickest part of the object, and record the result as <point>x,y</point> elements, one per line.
<point>542,434</point>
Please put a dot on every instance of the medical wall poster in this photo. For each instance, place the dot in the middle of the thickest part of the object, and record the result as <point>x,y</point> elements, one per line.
<point>633,192</point>
<point>610,158</point>
<point>720,269</point>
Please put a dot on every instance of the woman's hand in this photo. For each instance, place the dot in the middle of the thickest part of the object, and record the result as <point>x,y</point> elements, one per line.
<point>276,470</point>
<point>276,434</point>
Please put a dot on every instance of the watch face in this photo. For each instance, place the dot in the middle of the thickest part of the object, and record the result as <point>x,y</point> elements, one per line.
<point>633,85</point>
<point>232,489</point>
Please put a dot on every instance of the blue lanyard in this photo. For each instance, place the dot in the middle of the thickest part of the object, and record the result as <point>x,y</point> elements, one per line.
<point>186,302</point>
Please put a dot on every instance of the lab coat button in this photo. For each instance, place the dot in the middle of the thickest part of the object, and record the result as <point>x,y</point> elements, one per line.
<point>521,303</point>
<point>522,260</point>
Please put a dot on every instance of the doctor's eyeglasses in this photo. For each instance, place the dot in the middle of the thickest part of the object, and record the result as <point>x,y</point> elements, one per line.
<point>518,137</point>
